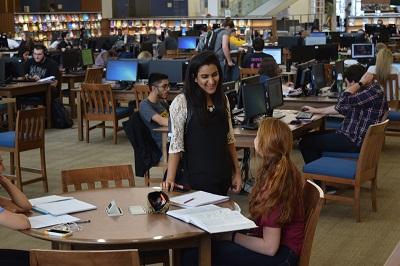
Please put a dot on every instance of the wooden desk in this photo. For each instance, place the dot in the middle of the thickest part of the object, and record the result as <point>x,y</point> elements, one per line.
<point>394,258</point>
<point>25,88</point>
<point>119,95</point>
<point>10,111</point>
<point>70,79</point>
<point>143,232</point>
<point>295,103</point>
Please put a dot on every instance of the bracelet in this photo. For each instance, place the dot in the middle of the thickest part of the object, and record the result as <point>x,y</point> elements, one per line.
<point>233,237</point>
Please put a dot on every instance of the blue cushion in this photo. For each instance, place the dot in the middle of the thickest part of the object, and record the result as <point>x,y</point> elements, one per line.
<point>331,166</point>
<point>353,155</point>
<point>120,111</point>
<point>7,139</point>
<point>394,116</point>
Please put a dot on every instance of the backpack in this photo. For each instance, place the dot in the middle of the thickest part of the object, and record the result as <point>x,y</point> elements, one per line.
<point>60,117</point>
<point>211,38</point>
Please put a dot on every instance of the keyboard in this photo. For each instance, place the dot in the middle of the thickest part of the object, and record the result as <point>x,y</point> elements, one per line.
<point>304,115</point>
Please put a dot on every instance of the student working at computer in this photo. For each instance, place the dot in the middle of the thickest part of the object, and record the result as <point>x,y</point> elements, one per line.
<point>362,106</point>
<point>254,59</point>
<point>275,205</point>
<point>154,109</point>
<point>201,128</point>
<point>40,66</point>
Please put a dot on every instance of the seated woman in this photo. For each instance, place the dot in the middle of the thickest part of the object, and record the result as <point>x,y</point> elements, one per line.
<point>275,204</point>
<point>269,69</point>
<point>11,217</point>
<point>383,67</point>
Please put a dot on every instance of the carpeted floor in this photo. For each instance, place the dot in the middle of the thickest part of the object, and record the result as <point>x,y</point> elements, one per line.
<point>339,239</point>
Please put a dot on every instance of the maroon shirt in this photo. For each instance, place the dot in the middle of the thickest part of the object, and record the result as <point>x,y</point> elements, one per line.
<point>292,234</point>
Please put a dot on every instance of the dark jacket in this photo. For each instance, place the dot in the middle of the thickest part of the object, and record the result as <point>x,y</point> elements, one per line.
<point>147,154</point>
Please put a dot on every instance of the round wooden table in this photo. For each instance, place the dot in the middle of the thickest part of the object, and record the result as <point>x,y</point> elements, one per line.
<point>143,232</point>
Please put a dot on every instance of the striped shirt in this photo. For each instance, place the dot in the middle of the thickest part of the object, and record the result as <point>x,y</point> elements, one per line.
<point>362,109</point>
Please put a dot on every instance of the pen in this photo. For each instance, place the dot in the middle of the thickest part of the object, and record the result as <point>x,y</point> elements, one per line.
<point>82,222</point>
<point>189,200</point>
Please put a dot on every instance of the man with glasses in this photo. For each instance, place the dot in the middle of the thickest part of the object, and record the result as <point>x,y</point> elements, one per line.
<point>40,66</point>
<point>154,109</point>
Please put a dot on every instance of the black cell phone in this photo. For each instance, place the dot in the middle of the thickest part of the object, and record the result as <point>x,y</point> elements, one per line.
<point>56,232</point>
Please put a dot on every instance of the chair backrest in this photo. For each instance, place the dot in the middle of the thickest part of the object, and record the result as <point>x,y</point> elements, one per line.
<point>29,133</point>
<point>370,151</point>
<point>98,101</point>
<point>40,257</point>
<point>93,75</point>
<point>391,87</point>
<point>141,93</point>
<point>248,72</point>
<point>102,175</point>
<point>313,198</point>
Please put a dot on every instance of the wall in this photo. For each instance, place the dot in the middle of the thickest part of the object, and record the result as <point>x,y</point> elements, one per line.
<point>42,5</point>
<point>168,8</point>
<point>300,7</point>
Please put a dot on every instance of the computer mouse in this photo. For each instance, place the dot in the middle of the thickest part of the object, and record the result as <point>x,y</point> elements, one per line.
<point>295,122</point>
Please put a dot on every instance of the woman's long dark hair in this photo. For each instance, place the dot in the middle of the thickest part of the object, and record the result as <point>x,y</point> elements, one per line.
<point>196,96</point>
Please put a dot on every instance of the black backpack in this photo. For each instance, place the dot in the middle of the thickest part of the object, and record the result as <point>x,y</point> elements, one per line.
<point>60,117</point>
<point>211,39</point>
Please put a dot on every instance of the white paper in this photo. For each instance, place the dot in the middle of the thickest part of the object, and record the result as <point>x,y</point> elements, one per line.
<point>137,209</point>
<point>197,198</point>
<point>64,207</point>
<point>184,214</point>
<point>47,199</point>
<point>49,220</point>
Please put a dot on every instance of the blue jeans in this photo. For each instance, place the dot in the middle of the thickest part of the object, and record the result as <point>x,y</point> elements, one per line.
<point>312,145</point>
<point>227,253</point>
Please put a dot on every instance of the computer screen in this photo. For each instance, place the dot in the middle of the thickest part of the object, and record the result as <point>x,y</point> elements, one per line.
<point>276,53</point>
<point>303,76</point>
<point>289,41</point>
<point>315,40</point>
<point>302,54</point>
<point>318,34</point>
<point>188,42</point>
<point>253,101</point>
<point>71,59</point>
<point>328,52</point>
<point>121,70</point>
<point>143,69</point>
<point>229,89</point>
<point>273,90</point>
<point>362,50</point>
<point>244,82</point>
<point>172,68</point>
<point>318,77</point>
<point>87,57</point>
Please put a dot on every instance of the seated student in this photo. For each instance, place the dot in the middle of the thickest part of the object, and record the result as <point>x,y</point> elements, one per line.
<point>254,60</point>
<point>169,43</point>
<point>40,66</point>
<point>275,204</point>
<point>383,66</point>
<point>106,52</point>
<point>65,42</point>
<point>268,69</point>
<point>154,109</point>
<point>361,106</point>
<point>144,55</point>
<point>12,217</point>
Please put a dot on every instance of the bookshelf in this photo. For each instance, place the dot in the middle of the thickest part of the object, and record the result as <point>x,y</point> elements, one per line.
<point>137,26</point>
<point>44,25</point>
<point>358,22</point>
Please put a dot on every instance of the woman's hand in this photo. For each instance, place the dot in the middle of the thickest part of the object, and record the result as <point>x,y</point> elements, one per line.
<point>168,185</point>
<point>237,182</point>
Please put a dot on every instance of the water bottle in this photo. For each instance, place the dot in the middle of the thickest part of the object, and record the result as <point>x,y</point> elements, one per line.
<point>339,82</point>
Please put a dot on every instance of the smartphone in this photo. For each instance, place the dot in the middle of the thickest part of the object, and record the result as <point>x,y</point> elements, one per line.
<point>59,233</point>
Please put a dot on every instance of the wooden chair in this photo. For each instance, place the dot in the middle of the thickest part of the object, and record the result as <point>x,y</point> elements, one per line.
<point>313,198</point>
<point>41,257</point>
<point>248,72</point>
<point>141,93</point>
<point>99,105</point>
<point>93,75</point>
<point>352,172</point>
<point>93,175</point>
<point>29,135</point>
<point>392,90</point>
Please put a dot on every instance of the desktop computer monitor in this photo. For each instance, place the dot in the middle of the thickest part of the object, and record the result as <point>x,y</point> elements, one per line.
<point>328,52</point>
<point>303,76</point>
<point>121,70</point>
<point>228,86</point>
<point>3,41</point>
<point>289,41</point>
<point>143,69</point>
<point>318,77</point>
<point>276,53</point>
<point>229,89</point>
<point>362,50</point>
<point>174,69</point>
<point>244,82</point>
<point>370,29</point>
<point>334,37</point>
<point>87,57</point>
<point>315,40</point>
<point>253,102</point>
<point>274,95</point>
<point>71,59</point>
<point>301,54</point>
<point>187,43</point>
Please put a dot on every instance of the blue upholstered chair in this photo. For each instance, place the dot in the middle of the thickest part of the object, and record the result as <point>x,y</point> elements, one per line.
<point>352,172</point>
<point>29,135</point>
<point>392,91</point>
<point>99,105</point>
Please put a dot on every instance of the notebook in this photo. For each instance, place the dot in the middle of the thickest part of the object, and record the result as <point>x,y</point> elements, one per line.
<point>197,198</point>
<point>63,207</point>
<point>213,219</point>
<point>49,220</point>
<point>47,199</point>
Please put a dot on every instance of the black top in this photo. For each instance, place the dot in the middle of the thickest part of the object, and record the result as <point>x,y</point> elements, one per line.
<point>207,161</point>
<point>43,69</point>
<point>64,44</point>
<point>254,60</point>
<point>170,43</point>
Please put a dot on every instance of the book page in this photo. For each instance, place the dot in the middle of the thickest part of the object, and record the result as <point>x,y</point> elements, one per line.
<point>185,214</point>
<point>46,199</point>
<point>64,207</point>
<point>49,220</point>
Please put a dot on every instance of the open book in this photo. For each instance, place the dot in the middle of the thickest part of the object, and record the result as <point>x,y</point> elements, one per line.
<point>197,198</point>
<point>58,205</point>
<point>213,219</point>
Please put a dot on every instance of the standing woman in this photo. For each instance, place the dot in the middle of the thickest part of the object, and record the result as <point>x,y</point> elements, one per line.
<point>201,129</point>
<point>275,205</point>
